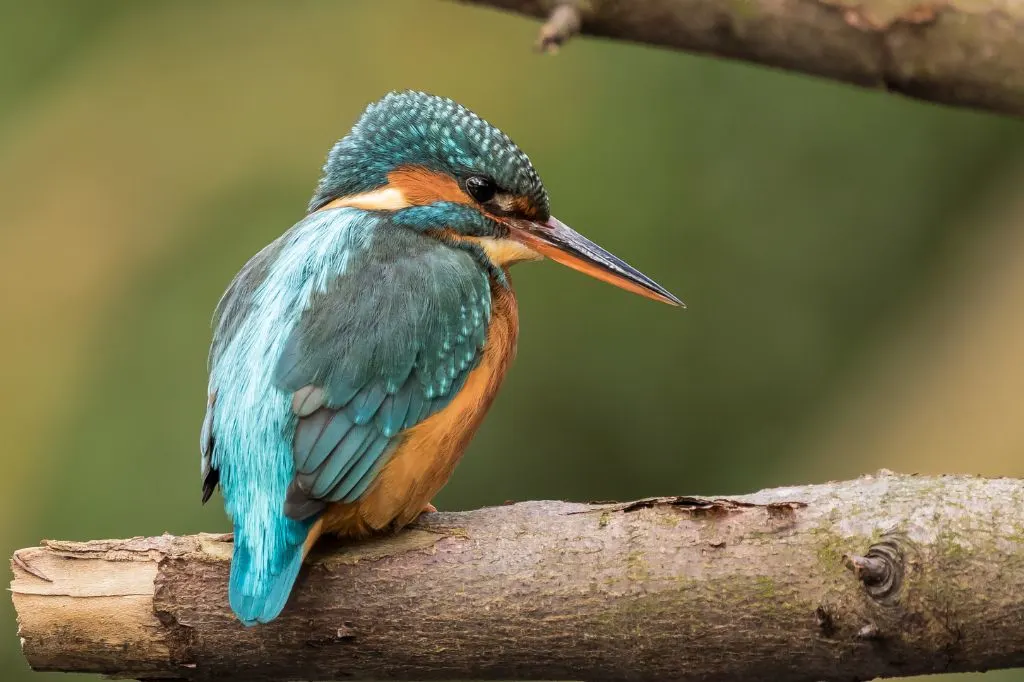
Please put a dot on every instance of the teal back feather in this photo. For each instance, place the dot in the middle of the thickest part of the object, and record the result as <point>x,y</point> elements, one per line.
<point>252,420</point>
<point>384,322</point>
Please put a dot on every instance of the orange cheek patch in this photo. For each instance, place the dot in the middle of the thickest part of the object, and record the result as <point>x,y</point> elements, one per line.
<point>421,186</point>
<point>524,207</point>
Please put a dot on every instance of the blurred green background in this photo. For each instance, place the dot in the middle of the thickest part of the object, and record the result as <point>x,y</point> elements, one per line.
<point>852,261</point>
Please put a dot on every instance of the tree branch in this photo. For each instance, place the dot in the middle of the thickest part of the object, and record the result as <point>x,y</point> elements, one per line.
<point>886,575</point>
<point>966,53</point>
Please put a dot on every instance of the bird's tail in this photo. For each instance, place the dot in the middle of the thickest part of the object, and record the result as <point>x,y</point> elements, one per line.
<point>261,582</point>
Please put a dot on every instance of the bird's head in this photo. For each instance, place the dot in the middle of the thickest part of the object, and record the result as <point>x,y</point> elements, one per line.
<point>442,169</point>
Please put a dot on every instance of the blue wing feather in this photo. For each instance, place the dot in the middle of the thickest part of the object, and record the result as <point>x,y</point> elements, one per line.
<point>364,452</point>
<point>306,438</point>
<point>339,426</point>
<point>369,457</point>
<point>343,458</point>
<point>418,404</point>
<point>392,413</point>
<point>390,342</point>
<point>370,400</point>
<point>373,458</point>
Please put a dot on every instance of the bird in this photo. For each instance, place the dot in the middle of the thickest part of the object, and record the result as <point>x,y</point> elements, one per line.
<point>353,358</point>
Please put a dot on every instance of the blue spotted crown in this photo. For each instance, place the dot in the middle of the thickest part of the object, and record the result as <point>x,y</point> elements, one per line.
<point>415,128</point>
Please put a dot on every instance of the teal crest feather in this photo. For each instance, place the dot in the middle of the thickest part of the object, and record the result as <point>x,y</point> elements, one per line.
<point>415,128</point>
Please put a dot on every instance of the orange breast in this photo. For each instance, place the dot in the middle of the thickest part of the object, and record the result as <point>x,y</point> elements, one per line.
<point>428,453</point>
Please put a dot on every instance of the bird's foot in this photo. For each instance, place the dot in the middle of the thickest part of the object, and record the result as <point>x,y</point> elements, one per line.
<point>427,509</point>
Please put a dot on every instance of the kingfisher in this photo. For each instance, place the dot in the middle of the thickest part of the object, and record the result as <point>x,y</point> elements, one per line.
<point>354,357</point>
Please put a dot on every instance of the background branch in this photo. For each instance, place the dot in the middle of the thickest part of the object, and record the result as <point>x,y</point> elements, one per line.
<point>886,575</point>
<point>961,52</point>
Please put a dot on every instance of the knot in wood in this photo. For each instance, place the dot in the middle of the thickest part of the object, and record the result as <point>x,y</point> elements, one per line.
<point>880,570</point>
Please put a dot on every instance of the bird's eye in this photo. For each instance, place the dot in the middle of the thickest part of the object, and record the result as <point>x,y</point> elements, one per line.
<point>480,188</point>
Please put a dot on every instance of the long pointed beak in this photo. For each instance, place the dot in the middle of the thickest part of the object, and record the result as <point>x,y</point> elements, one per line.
<point>562,244</point>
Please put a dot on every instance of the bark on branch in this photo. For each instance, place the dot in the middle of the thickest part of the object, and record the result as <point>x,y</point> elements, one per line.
<point>961,52</point>
<point>883,576</point>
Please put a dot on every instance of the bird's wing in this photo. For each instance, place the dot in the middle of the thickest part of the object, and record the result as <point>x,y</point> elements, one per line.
<point>229,314</point>
<point>381,348</point>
